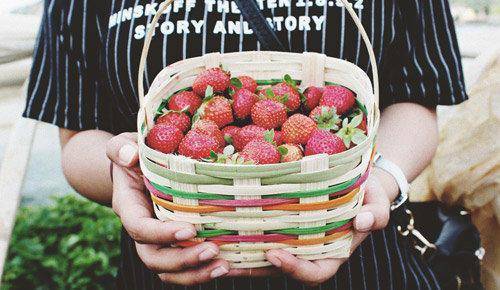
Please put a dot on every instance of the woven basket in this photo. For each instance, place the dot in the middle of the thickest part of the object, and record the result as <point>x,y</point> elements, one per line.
<point>305,207</point>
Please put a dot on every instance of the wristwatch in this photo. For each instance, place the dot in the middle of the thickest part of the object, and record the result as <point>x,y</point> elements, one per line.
<point>399,176</point>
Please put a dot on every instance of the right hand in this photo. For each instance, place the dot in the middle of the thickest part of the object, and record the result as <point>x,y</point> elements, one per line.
<point>183,266</point>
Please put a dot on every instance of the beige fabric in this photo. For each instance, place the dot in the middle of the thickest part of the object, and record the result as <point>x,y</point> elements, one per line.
<point>466,168</point>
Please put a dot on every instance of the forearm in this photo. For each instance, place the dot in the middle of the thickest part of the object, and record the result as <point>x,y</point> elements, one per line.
<point>407,136</point>
<point>86,165</point>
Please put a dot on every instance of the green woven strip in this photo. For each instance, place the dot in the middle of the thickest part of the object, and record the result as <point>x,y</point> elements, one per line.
<point>362,107</point>
<point>311,231</point>
<point>315,193</point>
<point>273,82</point>
<point>293,231</point>
<point>190,195</point>
<point>214,233</point>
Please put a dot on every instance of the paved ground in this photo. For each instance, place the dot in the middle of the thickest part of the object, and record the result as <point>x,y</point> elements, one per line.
<point>45,178</point>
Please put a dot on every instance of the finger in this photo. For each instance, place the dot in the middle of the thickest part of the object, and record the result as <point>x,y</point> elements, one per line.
<point>196,276</point>
<point>308,272</point>
<point>136,213</point>
<point>122,149</point>
<point>166,259</point>
<point>374,214</point>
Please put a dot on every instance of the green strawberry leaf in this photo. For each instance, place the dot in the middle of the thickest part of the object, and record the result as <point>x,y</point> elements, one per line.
<point>270,93</point>
<point>361,107</point>
<point>282,150</point>
<point>228,139</point>
<point>231,92</point>
<point>285,98</point>
<point>196,118</point>
<point>213,155</point>
<point>356,121</point>
<point>237,83</point>
<point>358,138</point>
<point>209,92</point>
<point>288,80</point>
<point>303,98</point>
<point>269,136</point>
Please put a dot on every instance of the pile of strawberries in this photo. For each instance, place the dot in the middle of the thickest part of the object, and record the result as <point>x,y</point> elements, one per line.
<point>236,121</point>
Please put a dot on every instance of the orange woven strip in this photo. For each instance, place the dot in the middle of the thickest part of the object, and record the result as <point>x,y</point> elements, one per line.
<point>189,208</point>
<point>292,242</point>
<point>316,241</point>
<point>315,205</point>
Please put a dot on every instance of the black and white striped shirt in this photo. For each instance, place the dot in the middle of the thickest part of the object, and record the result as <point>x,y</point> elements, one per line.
<point>84,76</point>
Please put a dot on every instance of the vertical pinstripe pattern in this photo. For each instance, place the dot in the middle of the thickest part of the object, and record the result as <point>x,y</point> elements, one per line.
<point>83,77</point>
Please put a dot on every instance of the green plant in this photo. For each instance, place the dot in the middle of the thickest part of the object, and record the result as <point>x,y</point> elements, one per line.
<point>71,244</point>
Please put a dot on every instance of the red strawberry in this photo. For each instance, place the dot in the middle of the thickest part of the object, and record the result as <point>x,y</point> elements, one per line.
<point>287,92</point>
<point>362,126</point>
<point>247,134</point>
<point>325,117</point>
<point>229,133</point>
<point>338,97</point>
<point>209,128</point>
<point>217,109</point>
<point>197,146</point>
<point>164,138</point>
<point>269,114</point>
<point>278,137</point>
<point>244,82</point>
<point>292,153</point>
<point>261,152</point>
<point>185,99</point>
<point>243,101</point>
<point>323,141</point>
<point>218,79</point>
<point>297,129</point>
<point>177,119</point>
<point>312,96</point>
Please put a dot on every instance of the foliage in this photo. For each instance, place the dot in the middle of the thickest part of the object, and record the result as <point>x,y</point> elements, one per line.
<point>71,244</point>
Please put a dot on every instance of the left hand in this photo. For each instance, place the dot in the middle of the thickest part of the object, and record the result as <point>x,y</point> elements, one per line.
<point>374,215</point>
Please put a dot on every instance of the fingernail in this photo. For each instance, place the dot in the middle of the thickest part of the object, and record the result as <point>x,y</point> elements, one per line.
<point>219,271</point>
<point>185,234</point>
<point>207,254</point>
<point>274,260</point>
<point>127,153</point>
<point>364,221</point>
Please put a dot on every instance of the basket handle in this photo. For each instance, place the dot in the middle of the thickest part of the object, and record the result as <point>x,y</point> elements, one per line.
<point>164,5</point>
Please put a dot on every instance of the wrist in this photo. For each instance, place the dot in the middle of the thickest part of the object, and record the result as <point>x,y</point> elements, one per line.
<point>387,181</point>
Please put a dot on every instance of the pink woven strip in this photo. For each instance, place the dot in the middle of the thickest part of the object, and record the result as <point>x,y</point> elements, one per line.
<point>250,202</point>
<point>357,184</point>
<point>155,191</point>
<point>251,238</point>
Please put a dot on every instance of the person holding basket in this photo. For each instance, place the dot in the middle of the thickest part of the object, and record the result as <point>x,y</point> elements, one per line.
<point>85,81</point>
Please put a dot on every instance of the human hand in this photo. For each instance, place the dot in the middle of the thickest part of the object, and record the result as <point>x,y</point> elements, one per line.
<point>183,266</point>
<point>374,215</point>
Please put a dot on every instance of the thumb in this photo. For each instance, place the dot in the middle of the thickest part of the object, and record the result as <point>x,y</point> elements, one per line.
<point>123,150</point>
<point>375,213</point>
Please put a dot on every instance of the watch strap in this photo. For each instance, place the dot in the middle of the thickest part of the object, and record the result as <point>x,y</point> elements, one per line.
<point>397,173</point>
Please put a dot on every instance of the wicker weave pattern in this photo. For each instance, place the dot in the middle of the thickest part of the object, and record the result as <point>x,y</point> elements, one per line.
<point>305,207</point>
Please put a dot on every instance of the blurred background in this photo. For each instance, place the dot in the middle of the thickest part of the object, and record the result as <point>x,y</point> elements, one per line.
<point>478,28</point>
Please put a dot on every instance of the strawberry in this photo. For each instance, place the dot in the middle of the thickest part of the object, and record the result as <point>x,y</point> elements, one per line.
<point>243,101</point>
<point>164,138</point>
<point>286,94</point>
<point>338,97</point>
<point>362,126</point>
<point>217,109</point>
<point>323,141</point>
<point>293,153</point>
<point>297,129</point>
<point>312,95</point>
<point>243,82</point>
<point>209,128</point>
<point>229,133</point>
<point>350,132</point>
<point>218,79</point>
<point>325,117</point>
<point>247,134</point>
<point>177,119</point>
<point>269,114</point>
<point>363,123</point>
<point>278,137</point>
<point>261,152</point>
<point>183,100</point>
<point>197,146</point>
